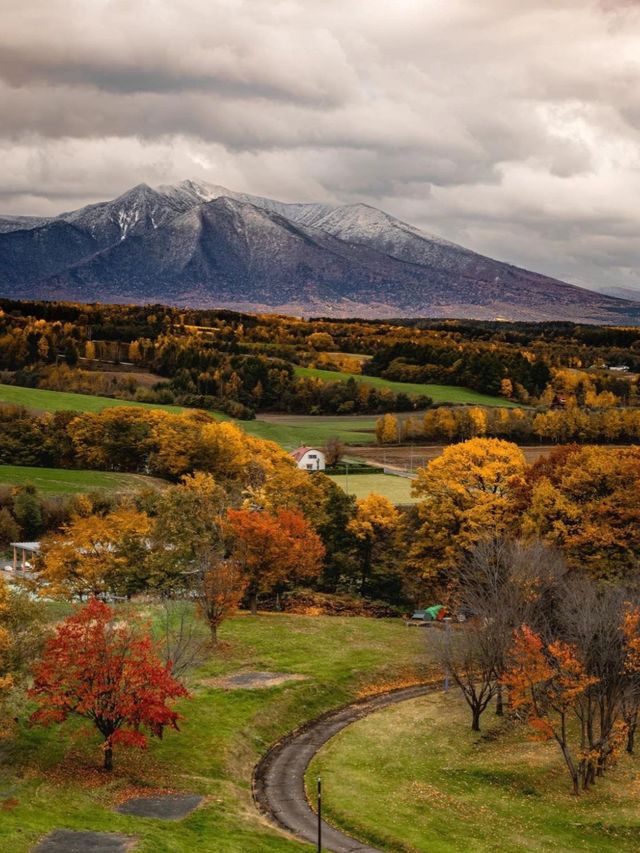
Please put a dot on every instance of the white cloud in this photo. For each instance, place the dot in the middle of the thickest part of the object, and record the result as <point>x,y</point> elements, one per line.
<point>510,126</point>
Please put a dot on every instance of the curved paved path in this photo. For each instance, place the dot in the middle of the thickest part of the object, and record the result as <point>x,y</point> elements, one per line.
<point>278,783</point>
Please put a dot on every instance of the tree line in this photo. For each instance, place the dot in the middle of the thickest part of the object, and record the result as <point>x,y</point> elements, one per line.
<point>243,363</point>
<point>567,424</point>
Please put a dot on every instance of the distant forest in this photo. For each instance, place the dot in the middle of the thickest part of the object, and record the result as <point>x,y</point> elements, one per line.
<point>243,364</point>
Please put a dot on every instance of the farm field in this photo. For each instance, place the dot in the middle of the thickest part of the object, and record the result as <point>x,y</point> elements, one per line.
<point>61,481</point>
<point>409,458</point>
<point>438,393</point>
<point>415,778</point>
<point>397,489</point>
<point>222,734</point>
<point>293,430</point>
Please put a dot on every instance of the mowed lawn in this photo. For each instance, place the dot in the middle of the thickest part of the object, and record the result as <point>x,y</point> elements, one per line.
<point>61,481</point>
<point>50,780</point>
<point>397,489</point>
<point>415,779</point>
<point>438,393</point>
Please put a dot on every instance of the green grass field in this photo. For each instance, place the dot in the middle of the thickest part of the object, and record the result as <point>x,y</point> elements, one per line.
<point>414,778</point>
<point>62,401</point>
<point>397,489</point>
<point>287,430</point>
<point>51,781</point>
<point>291,431</point>
<point>438,393</point>
<point>63,482</point>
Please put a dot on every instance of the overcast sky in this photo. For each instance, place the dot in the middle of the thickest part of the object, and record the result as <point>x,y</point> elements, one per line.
<point>510,126</point>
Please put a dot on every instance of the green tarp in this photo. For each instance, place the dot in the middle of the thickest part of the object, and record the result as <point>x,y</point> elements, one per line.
<point>432,612</point>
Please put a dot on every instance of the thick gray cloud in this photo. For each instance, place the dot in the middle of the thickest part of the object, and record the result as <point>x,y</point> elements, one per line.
<point>511,126</point>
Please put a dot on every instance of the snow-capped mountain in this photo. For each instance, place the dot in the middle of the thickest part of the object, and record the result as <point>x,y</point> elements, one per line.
<point>201,244</point>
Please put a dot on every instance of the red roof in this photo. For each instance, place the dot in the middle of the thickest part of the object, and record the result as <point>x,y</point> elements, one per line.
<point>300,452</point>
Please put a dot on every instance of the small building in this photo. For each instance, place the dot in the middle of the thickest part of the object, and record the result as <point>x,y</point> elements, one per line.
<point>309,459</point>
<point>23,555</point>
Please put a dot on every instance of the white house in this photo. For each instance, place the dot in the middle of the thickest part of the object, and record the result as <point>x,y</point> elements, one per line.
<point>309,459</point>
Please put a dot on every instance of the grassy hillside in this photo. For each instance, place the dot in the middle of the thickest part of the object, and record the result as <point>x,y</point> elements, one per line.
<point>288,430</point>
<point>52,781</point>
<point>455,790</point>
<point>438,393</point>
<point>60,401</point>
<point>60,481</point>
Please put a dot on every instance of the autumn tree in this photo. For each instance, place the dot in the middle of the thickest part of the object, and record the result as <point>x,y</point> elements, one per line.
<point>587,501</point>
<point>95,554</point>
<point>186,527</point>
<point>221,583</point>
<point>631,691</point>
<point>333,450</point>
<point>6,675</point>
<point>9,530</point>
<point>273,549</point>
<point>375,525</point>
<point>106,671</point>
<point>547,682</point>
<point>506,583</point>
<point>466,494</point>
<point>387,430</point>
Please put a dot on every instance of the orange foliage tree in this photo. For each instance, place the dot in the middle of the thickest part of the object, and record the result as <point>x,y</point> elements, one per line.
<point>546,683</point>
<point>274,548</point>
<point>106,672</point>
<point>631,693</point>
<point>220,588</point>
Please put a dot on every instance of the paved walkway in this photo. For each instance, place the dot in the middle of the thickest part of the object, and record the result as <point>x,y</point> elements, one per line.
<point>279,777</point>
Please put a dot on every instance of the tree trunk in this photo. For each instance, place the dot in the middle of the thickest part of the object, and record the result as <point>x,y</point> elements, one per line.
<point>575,779</point>
<point>108,758</point>
<point>475,719</point>
<point>254,603</point>
<point>499,702</point>
<point>631,736</point>
<point>213,627</point>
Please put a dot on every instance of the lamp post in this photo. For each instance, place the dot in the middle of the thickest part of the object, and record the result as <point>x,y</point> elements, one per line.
<point>319,788</point>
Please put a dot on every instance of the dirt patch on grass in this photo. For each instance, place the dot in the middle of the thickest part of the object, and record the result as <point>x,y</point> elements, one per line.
<point>253,680</point>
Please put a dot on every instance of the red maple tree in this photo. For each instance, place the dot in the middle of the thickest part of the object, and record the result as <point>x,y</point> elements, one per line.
<point>274,549</point>
<point>107,672</point>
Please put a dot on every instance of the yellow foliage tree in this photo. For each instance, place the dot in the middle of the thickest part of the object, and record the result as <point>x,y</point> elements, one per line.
<point>387,430</point>
<point>375,525</point>
<point>96,554</point>
<point>466,494</point>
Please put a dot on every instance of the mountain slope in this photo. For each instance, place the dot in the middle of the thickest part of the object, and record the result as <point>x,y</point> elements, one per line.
<point>200,244</point>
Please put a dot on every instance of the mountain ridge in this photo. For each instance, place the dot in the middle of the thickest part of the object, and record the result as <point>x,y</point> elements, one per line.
<point>202,245</point>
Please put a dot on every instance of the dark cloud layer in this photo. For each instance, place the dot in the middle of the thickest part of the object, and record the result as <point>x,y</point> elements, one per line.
<point>509,126</point>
